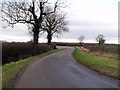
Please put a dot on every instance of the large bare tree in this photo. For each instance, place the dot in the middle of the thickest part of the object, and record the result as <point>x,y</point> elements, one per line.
<point>29,12</point>
<point>55,23</point>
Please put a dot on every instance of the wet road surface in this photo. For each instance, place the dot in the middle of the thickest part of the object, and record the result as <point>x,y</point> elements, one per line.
<point>60,70</point>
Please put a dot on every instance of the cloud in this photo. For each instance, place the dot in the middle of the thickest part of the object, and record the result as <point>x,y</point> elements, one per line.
<point>93,17</point>
<point>18,30</point>
<point>87,17</point>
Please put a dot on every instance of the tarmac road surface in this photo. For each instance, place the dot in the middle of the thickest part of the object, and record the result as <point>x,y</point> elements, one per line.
<point>61,70</point>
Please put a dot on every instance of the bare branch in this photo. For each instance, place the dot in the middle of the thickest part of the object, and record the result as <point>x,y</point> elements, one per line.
<point>32,14</point>
<point>54,24</point>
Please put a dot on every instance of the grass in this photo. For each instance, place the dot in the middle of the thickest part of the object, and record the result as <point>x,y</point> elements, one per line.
<point>103,65</point>
<point>9,71</point>
<point>105,55</point>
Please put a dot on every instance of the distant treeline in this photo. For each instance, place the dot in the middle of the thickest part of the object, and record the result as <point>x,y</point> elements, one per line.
<point>83,44</point>
<point>14,51</point>
<point>95,47</point>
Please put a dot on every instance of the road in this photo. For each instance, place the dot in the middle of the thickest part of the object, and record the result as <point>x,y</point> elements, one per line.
<point>60,70</point>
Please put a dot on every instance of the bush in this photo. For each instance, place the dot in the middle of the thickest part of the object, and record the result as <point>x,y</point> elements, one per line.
<point>14,51</point>
<point>107,48</point>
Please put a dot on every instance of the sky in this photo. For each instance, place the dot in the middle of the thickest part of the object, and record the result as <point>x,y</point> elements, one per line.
<point>87,17</point>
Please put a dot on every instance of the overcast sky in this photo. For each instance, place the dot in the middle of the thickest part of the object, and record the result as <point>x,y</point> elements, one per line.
<point>86,17</point>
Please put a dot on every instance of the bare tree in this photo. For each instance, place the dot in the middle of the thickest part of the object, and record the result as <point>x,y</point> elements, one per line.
<point>55,24</point>
<point>27,12</point>
<point>100,39</point>
<point>80,39</point>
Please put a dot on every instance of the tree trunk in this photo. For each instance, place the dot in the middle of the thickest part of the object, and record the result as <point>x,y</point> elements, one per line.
<point>49,37</point>
<point>35,40</point>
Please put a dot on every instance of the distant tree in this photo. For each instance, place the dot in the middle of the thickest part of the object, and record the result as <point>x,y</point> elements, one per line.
<point>55,24</point>
<point>80,39</point>
<point>29,12</point>
<point>100,39</point>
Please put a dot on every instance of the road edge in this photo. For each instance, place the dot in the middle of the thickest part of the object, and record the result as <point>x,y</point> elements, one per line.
<point>19,74</point>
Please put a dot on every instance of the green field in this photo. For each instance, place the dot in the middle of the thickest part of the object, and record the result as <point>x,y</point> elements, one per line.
<point>9,71</point>
<point>107,66</point>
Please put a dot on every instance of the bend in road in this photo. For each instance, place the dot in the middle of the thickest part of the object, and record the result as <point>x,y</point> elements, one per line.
<point>60,70</point>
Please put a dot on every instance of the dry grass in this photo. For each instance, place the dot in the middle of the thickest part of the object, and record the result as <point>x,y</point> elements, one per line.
<point>97,53</point>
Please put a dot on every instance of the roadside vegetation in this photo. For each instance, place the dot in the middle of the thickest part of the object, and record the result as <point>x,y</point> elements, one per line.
<point>107,49</point>
<point>9,71</point>
<point>14,51</point>
<point>105,65</point>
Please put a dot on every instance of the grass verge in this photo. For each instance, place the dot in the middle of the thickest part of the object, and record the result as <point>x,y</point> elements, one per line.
<point>9,71</point>
<point>103,65</point>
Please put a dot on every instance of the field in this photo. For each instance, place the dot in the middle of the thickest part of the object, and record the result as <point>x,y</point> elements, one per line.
<point>105,65</point>
<point>110,50</point>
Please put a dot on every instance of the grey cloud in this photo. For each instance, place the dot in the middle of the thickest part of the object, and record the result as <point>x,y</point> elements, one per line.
<point>90,23</point>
